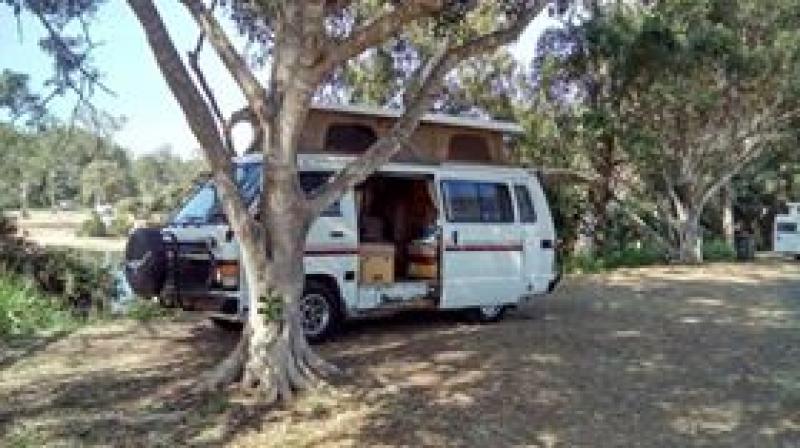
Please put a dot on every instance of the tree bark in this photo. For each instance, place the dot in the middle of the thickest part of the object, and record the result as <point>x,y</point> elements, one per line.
<point>690,240</point>
<point>726,200</point>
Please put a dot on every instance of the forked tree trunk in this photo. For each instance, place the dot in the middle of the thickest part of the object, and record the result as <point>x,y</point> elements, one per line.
<point>273,355</point>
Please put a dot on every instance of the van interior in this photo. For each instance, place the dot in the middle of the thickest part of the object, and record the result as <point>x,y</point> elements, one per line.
<point>397,219</point>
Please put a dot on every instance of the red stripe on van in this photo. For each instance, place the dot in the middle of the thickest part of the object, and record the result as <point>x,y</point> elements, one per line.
<point>330,251</point>
<point>517,247</point>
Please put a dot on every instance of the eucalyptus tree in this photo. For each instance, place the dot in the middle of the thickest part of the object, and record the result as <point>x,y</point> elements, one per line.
<point>719,87</point>
<point>304,42</point>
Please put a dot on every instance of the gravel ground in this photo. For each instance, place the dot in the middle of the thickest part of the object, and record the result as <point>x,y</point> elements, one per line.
<point>667,356</point>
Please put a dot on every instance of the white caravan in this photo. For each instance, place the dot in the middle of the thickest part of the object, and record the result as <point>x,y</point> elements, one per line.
<point>440,236</point>
<point>786,235</point>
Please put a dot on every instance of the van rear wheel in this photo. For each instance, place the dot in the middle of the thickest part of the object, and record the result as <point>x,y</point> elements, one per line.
<point>489,313</point>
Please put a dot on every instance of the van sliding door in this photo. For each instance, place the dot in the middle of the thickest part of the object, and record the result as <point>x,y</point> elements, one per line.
<point>482,245</point>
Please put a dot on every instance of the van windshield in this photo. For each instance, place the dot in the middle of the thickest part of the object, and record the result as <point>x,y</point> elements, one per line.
<point>203,206</point>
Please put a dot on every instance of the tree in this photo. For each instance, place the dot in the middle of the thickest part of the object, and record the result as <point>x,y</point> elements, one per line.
<point>103,181</point>
<point>674,100</point>
<point>303,53</point>
<point>714,95</point>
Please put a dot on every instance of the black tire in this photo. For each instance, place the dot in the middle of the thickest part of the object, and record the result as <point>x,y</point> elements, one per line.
<point>227,324</point>
<point>322,296</point>
<point>146,262</point>
<point>485,315</point>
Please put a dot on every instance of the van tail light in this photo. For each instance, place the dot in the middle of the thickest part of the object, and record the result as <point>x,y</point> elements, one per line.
<point>227,275</point>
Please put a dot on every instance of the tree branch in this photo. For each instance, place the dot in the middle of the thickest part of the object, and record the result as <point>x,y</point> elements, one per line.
<point>379,30</point>
<point>417,99</point>
<point>253,91</point>
<point>193,57</point>
<point>197,114</point>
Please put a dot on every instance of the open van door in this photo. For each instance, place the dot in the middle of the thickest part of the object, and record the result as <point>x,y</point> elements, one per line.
<point>481,244</point>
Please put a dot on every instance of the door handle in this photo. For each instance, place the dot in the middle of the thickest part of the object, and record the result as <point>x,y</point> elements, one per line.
<point>336,234</point>
<point>454,237</point>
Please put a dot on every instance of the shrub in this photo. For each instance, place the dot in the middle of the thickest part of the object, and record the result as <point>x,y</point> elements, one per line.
<point>145,310</point>
<point>583,264</point>
<point>718,249</point>
<point>632,257</point>
<point>93,227</point>
<point>620,258</point>
<point>120,226</point>
<point>24,310</point>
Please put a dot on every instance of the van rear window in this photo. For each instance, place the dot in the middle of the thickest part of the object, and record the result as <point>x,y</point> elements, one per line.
<point>527,213</point>
<point>477,202</point>
<point>786,227</point>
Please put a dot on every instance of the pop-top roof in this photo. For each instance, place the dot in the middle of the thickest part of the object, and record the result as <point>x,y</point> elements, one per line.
<point>442,119</point>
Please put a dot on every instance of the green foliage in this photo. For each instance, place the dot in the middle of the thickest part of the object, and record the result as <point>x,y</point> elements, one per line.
<point>718,249</point>
<point>24,310</point>
<point>57,163</point>
<point>121,225</point>
<point>271,306</point>
<point>93,227</point>
<point>79,279</point>
<point>628,257</point>
<point>146,310</point>
<point>103,181</point>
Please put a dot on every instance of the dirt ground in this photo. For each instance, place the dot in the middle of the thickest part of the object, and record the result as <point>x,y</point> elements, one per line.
<point>664,357</point>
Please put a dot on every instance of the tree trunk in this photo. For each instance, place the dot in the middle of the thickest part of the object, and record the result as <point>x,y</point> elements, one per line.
<point>690,241</point>
<point>726,202</point>
<point>23,199</point>
<point>273,355</point>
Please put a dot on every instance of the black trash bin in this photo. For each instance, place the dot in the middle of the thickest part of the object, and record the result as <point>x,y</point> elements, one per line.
<point>745,246</point>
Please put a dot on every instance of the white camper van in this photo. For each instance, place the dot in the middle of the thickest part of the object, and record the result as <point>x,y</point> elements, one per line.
<point>786,235</point>
<point>447,235</point>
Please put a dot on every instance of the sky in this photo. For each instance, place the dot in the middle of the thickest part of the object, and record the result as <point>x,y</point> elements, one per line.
<point>152,116</point>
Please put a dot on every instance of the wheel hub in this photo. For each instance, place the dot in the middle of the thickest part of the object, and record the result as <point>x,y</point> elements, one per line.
<point>315,313</point>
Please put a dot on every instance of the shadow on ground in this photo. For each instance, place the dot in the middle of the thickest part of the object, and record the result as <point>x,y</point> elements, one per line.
<point>675,356</point>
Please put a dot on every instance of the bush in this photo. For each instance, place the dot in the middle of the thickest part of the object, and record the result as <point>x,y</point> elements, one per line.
<point>718,249</point>
<point>583,264</point>
<point>24,310</point>
<point>120,226</point>
<point>632,257</point>
<point>628,257</point>
<point>145,310</point>
<point>93,227</point>
<point>79,281</point>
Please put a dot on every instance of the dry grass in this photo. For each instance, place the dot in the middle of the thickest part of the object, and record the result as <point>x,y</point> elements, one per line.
<point>706,356</point>
<point>58,229</point>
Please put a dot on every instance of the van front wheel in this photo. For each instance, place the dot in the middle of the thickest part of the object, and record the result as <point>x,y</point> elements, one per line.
<point>319,312</point>
<point>489,313</point>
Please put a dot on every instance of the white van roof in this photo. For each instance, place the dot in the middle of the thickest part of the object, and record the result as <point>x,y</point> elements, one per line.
<point>327,162</point>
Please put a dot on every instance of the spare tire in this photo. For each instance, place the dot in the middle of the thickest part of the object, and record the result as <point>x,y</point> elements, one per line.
<point>146,262</point>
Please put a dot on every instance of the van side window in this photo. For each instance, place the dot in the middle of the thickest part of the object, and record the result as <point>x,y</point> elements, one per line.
<point>310,181</point>
<point>477,202</point>
<point>786,227</point>
<point>524,204</point>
